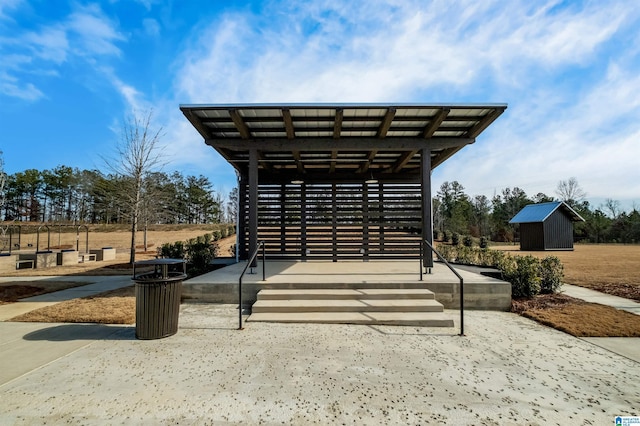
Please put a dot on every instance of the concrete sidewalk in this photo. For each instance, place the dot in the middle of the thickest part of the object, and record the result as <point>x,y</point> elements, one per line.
<point>593,296</point>
<point>507,370</point>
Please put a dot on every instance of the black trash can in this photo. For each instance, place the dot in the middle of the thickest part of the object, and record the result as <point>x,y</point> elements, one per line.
<point>158,297</point>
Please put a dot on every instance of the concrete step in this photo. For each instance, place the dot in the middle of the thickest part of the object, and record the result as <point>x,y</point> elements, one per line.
<point>418,319</point>
<point>338,294</point>
<point>347,305</point>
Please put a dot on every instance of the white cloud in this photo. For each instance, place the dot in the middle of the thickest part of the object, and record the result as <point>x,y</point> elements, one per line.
<point>96,33</point>
<point>151,27</point>
<point>572,87</point>
<point>86,33</point>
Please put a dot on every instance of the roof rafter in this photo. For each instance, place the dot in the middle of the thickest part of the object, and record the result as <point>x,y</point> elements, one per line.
<point>435,123</point>
<point>288,123</point>
<point>240,124</point>
<point>337,124</point>
<point>386,122</point>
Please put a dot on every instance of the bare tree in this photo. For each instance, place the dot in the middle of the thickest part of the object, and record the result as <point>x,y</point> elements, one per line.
<point>3,179</point>
<point>614,207</point>
<point>570,191</point>
<point>137,155</point>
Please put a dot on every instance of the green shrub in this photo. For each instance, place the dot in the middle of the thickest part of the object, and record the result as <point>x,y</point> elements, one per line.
<point>455,239</point>
<point>172,250</point>
<point>551,272</point>
<point>467,241</point>
<point>523,272</point>
<point>216,235</point>
<point>200,252</point>
<point>446,236</point>
<point>465,255</point>
<point>484,242</point>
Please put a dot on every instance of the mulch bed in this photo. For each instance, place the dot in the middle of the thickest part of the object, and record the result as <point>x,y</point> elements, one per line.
<point>577,317</point>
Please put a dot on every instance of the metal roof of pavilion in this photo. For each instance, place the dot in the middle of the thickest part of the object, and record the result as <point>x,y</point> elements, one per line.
<point>339,141</point>
<point>533,213</point>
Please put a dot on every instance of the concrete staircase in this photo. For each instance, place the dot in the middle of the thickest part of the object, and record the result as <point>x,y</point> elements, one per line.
<point>373,306</point>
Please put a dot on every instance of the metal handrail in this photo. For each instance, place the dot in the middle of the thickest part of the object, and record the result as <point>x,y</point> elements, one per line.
<point>251,259</point>
<point>456,274</point>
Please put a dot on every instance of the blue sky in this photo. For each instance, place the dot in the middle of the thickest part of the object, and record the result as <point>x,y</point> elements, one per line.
<point>569,71</point>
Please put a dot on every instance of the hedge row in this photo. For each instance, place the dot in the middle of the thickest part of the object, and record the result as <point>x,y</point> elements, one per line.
<point>197,252</point>
<point>528,275</point>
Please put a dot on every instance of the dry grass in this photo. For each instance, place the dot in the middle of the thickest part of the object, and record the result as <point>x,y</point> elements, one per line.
<point>112,307</point>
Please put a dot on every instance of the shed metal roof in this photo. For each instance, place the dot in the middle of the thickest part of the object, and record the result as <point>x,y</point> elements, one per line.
<point>339,140</point>
<point>533,213</point>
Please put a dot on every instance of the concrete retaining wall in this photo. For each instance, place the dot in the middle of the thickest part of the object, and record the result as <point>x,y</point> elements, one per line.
<point>8,263</point>
<point>41,260</point>
<point>67,258</point>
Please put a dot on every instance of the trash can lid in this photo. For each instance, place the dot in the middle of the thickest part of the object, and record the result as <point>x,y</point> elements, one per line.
<point>161,261</point>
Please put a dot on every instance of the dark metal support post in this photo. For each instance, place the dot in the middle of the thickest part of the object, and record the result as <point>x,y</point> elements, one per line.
<point>253,202</point>
<point>427,215</point>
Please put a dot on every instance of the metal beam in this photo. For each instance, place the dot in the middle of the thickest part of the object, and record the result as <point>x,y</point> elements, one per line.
<point>427,213</point>
<point>253,201</point>
<point>350,144</point>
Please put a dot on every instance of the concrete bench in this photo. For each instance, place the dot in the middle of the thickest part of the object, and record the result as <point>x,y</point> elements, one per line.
<point>105,253</point>
<point>67,257</point>
<point>86,257</point>
<point>24,264</point>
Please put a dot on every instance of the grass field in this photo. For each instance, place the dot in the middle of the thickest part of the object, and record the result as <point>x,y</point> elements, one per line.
<point>609,268</point>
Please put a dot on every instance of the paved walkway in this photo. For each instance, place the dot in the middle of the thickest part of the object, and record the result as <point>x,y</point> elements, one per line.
<point>95,285</point>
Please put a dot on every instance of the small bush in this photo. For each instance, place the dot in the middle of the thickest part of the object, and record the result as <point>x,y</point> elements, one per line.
<point>484,242</point>
<point>446,236</point>
<point>200,252</point>
<point>551,273</point>
<point>523,272</point>
<point>455,239</point>
<point>172,250</point>
<point>217,235</point>
<point>467,241</point>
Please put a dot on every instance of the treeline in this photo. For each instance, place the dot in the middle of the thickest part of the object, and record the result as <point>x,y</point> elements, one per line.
<point>480,216</point>
<point>66,194</point>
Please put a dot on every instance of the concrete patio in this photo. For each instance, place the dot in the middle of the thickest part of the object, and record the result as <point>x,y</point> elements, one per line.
<point>481,292</point>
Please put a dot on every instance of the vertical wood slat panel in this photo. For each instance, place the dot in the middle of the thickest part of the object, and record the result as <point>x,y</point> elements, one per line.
<point>339,221</point>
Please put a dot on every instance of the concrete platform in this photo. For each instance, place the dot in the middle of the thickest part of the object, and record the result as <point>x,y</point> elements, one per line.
<point>481,292</point>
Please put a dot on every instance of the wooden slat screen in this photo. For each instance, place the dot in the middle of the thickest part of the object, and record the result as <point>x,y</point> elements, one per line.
<point>338,221</point>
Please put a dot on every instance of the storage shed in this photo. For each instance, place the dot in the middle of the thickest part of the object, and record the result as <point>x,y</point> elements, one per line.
<point>546,226</point>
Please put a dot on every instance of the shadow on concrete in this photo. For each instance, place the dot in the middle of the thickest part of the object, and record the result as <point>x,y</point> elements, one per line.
<point>69,332</point>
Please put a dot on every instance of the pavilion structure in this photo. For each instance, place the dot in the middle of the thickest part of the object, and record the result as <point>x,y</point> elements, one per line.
<point>337,181</point>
